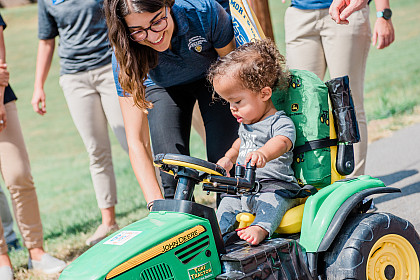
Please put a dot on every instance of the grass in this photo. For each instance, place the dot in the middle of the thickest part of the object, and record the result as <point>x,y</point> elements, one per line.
<point>60,165</point>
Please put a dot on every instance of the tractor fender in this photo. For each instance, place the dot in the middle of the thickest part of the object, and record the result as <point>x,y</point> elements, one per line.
<point>322,207</point>
<point>343,212</point>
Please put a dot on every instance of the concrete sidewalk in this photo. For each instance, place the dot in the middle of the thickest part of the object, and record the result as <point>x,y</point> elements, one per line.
<point>396,161</point>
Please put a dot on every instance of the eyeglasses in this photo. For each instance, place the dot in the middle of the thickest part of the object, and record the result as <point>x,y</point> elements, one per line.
<point>157,26</point>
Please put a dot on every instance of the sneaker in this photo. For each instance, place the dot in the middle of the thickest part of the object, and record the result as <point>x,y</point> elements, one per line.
<point>48,264</point>
<point>6,273</point>
<point>101,232</point>
<point>14,245</point>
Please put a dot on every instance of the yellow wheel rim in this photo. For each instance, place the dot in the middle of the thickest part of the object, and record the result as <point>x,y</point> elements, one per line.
<point>392,257</point>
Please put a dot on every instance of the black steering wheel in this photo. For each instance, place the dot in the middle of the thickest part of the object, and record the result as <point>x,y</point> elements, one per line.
<point>169,162</point>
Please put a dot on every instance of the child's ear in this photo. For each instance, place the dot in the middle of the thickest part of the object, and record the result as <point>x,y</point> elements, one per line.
<point>266,93</point>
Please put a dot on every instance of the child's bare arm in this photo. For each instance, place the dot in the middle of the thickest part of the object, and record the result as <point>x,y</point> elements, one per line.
<point>228,161</point>
<point>274,148</point>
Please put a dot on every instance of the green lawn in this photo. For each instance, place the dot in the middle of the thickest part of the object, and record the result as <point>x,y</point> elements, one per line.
<point>60,164</point>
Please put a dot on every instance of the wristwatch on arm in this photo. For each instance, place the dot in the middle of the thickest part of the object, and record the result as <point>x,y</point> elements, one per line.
<point>386,14</point>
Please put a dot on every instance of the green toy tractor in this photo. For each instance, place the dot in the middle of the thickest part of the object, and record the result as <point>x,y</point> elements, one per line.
<point>180,239</point>
<point>329,236</point>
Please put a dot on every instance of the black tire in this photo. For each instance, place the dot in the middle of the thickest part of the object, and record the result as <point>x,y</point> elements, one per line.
<point>374,246</point>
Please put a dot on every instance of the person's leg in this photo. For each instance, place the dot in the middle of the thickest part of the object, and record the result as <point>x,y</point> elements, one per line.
<point>221,127</point>
<point>229,207</point>
<point>7,220</point>
<point>16,171</point>
<point>346,49</point>
<point>4,257</point>
<point>170,125</point>
<point>17,175</point>
<point>103,81</point>
<point>303,42</point>
<point>269,209</point>
<point>85,107</point>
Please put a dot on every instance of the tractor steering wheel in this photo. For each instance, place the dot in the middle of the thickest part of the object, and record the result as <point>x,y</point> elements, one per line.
<point>170,162</point>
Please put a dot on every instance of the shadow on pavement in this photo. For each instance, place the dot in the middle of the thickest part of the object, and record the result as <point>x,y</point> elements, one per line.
<point>405,191</point>
<point>397,176</point>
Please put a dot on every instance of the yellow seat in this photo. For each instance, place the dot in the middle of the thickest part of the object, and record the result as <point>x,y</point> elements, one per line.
<point>291,222</point>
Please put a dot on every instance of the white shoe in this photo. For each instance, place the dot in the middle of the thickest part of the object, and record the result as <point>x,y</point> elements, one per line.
<point>48,264</point>
<point>6,273</point>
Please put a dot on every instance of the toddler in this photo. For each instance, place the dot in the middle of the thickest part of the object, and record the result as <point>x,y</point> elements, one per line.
<point>246,79</point>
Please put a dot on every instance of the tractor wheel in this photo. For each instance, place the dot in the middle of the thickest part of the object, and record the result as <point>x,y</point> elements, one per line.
<point>374,246</point>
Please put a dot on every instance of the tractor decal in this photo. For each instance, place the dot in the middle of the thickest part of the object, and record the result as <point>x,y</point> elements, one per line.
<point>324,117</point>
<point>300,158</point>
<point>201,272</point>
<point>156,251</point>
<point>294,107</point>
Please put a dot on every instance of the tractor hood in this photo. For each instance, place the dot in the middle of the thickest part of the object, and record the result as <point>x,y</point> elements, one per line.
<point>151,234</point>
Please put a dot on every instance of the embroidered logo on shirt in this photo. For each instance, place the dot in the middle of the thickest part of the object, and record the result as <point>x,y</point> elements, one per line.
<point>196,42</point>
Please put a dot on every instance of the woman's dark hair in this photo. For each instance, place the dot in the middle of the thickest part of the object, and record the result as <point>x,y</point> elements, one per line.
<point>135,60</point>
<point>256,65</point>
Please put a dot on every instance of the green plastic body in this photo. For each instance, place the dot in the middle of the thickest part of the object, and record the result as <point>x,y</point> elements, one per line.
<point>186,256</point>
<point>320,208</point>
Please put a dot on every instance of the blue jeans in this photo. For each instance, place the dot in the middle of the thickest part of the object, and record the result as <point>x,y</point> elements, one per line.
<point>170,123</point>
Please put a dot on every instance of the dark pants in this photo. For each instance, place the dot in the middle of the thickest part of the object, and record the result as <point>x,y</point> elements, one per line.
<point>170,123</point>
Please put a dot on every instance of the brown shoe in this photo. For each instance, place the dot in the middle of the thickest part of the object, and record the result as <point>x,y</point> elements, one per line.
<point>101,232</point>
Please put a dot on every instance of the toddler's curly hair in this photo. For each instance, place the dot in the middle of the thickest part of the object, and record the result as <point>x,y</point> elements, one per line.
<point>256,65</point>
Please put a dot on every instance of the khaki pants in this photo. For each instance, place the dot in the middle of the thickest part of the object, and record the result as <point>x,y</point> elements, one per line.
<point>16,172</point>
<point>93,104</point>
<point>315,42</point>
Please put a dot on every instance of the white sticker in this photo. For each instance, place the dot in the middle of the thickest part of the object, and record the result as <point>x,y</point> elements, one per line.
<point>122,237</point>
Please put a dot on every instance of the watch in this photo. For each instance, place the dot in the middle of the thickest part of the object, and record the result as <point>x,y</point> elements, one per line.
<point>386,14</point>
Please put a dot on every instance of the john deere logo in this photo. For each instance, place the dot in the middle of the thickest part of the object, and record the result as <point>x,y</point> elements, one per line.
<point>295,107</point>
<point>198,48</point>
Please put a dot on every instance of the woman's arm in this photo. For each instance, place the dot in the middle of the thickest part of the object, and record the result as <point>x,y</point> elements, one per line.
<point>138,140</point>
<point>226,49</point>
<point>43,65</point>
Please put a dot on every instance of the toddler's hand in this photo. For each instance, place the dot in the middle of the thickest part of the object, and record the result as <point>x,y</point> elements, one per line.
<point>257,158</point>
<point>226,163</point>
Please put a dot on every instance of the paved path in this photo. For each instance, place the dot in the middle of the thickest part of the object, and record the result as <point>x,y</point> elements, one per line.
<point>396,161</point>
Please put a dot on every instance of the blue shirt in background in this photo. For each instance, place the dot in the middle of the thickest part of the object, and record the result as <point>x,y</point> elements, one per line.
<point>311,4</point>
<point>81,26</point>
<point>202,26</point>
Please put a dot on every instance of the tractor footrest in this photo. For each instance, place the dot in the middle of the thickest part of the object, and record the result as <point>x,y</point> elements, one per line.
<point>273,259</point>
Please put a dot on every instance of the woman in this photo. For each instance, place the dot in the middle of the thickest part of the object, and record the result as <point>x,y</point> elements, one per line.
<point>168,47</point>
<point>15,169</point>
<point>87,83</point>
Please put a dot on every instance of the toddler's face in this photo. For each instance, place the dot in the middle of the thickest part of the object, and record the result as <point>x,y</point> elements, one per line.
<point>247,107</point>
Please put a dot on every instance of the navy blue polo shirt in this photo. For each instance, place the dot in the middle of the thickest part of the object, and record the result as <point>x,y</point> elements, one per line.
<point>202,26</point>
<point>9,95</point>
